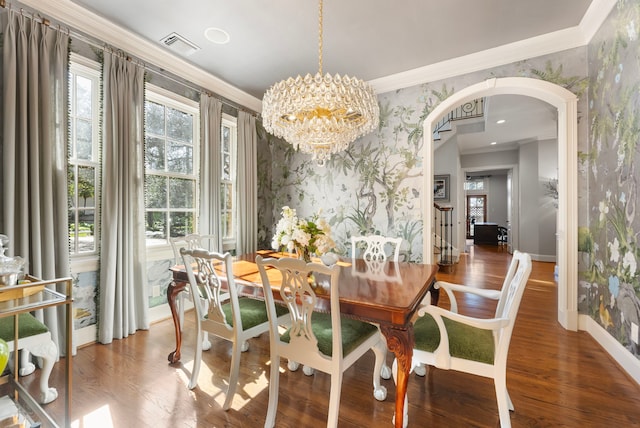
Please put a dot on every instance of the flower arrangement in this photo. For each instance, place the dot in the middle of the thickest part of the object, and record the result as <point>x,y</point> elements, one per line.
<point>304,236</point>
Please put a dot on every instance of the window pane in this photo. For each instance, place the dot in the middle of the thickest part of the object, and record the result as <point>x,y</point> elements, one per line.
<point>71,183</point>
<point>228,197</point>
<point>155,225</point>
<point>181,193</point>
<point>226,139</point>
<point>86,225</point>
<point>226,167</point>
<point>86,186</point>
<point>154,154</point>
<point>179,125</point>
<point>155,194</point>
<point>180,158</point>
<point>226,225</point>
<point>84,145</point>
<point>154,118</point>
<point>182,223</point>
<point>83,97</point>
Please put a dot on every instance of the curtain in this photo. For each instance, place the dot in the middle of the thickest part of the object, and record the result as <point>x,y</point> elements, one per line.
<point>123,280</point>
<point>34,152</point>
<point>210,164</point>
<point>247,182</point>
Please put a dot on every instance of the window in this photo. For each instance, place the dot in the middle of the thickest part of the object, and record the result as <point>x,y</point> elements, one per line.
<point>229,143</point>
<point>171,176</point>
<point>474,183</point>
<point>84,155</point>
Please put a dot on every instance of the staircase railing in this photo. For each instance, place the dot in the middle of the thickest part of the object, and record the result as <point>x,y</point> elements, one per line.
<point>469,110</point>
<point>444,225</point>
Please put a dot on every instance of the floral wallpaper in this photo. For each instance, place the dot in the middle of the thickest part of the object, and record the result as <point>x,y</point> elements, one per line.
<point>609,289</point>
<point>375,186</point>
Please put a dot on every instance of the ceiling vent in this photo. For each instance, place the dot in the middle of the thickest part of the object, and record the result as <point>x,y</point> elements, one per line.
<point>179,44</point>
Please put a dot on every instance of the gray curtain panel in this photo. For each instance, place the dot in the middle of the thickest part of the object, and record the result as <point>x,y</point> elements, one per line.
<point>123,280</point>
<point>247,182</point>
<point>210,164</point>
<point>34,151</point>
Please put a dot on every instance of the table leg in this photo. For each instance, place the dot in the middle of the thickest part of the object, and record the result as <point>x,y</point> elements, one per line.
<point>400,342</point>
<point>172,292</point>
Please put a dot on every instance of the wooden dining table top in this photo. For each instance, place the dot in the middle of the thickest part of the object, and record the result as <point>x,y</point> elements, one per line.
<point>386,292</point>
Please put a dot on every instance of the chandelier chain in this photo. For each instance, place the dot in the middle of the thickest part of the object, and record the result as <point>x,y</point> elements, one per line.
<point>320,37</point>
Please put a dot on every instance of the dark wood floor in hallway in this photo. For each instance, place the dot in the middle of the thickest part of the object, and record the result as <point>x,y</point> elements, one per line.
<point>556,378</point>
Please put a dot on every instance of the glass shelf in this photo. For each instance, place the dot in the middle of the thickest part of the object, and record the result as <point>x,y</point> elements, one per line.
<point>27,297</point>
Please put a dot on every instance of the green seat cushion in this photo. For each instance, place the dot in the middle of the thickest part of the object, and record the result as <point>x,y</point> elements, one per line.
<point>28,326</point>
<point>466,342</point>
<point>354,332</point>
<point>252,312</point>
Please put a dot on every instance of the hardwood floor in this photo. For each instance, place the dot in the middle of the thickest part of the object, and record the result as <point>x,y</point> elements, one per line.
<point>556,378</point>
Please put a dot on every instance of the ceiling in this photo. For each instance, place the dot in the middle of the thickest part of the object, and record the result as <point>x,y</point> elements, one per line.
<point>374,40</point>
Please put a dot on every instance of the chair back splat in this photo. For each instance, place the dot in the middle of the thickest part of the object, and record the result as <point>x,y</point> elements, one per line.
<point>375,248</point>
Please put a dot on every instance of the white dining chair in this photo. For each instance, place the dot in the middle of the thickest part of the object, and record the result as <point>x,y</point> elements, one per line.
<point>327,342</point>
<point>225,314</point>
<point>190,242</point>
<point>376,248</point>
<point>452,341</point>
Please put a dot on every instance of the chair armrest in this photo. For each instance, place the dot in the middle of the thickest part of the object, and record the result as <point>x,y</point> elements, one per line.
<point>451,287</point>
<point>482,323</point>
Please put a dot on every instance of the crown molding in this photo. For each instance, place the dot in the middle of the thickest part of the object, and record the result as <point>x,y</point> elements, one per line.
<point>101,29</point>
<point>533,47</point>
<point>95,26</point>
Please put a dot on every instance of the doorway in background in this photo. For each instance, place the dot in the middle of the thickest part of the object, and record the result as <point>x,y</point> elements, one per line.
<point>476,212</point>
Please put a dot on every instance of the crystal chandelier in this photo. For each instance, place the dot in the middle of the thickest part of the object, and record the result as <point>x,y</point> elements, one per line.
<point>320,114</point>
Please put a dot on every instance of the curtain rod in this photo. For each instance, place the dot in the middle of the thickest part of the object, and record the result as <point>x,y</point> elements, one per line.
<point>156,69</point>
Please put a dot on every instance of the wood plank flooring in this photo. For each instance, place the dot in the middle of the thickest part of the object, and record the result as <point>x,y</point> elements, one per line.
<point>556,378</point>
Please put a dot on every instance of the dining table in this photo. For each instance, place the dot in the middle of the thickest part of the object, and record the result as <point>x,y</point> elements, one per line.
<point>386,293</point>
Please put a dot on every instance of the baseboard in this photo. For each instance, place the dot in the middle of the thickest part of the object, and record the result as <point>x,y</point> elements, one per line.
<point>624,358</point>
<point>543,257</point>
<point>86,335</point>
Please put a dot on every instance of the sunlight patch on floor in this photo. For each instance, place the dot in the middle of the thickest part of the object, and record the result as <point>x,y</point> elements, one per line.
<point>244,391</point>
<point>100,418</point>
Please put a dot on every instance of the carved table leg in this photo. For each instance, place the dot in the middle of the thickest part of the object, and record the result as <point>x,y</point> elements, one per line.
<point>400,342</point>
<point>172,292</point>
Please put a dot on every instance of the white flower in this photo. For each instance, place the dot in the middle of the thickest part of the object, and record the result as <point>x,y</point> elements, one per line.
<point>604,210</point>
<point>615,250</point>
<point>629,261</point>
<point>292,233</point>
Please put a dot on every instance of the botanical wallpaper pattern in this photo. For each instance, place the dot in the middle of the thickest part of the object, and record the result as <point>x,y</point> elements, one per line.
<point>375,186</point>
<point>609,289</point>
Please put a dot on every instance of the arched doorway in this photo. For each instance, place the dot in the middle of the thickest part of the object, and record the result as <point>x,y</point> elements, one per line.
<point>566,104</point>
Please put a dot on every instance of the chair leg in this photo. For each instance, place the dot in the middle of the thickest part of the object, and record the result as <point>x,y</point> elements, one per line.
<point>334,399</point>
<point>48,351</point>
<point>504,401</point>
<point>197,358</point>
<point>25,367</point>
<point>274,382</point>
<point>380,351</point>
<point>181,309</point>
<point>233,376</point>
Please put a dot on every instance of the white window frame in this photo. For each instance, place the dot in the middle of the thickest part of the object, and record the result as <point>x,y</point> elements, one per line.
<point>162,96</point>
<point>88,69</point>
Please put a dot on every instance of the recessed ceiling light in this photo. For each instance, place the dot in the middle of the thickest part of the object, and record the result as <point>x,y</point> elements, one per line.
<point>500,121</point>
<point>493,143</point>
<point>217,35</point>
